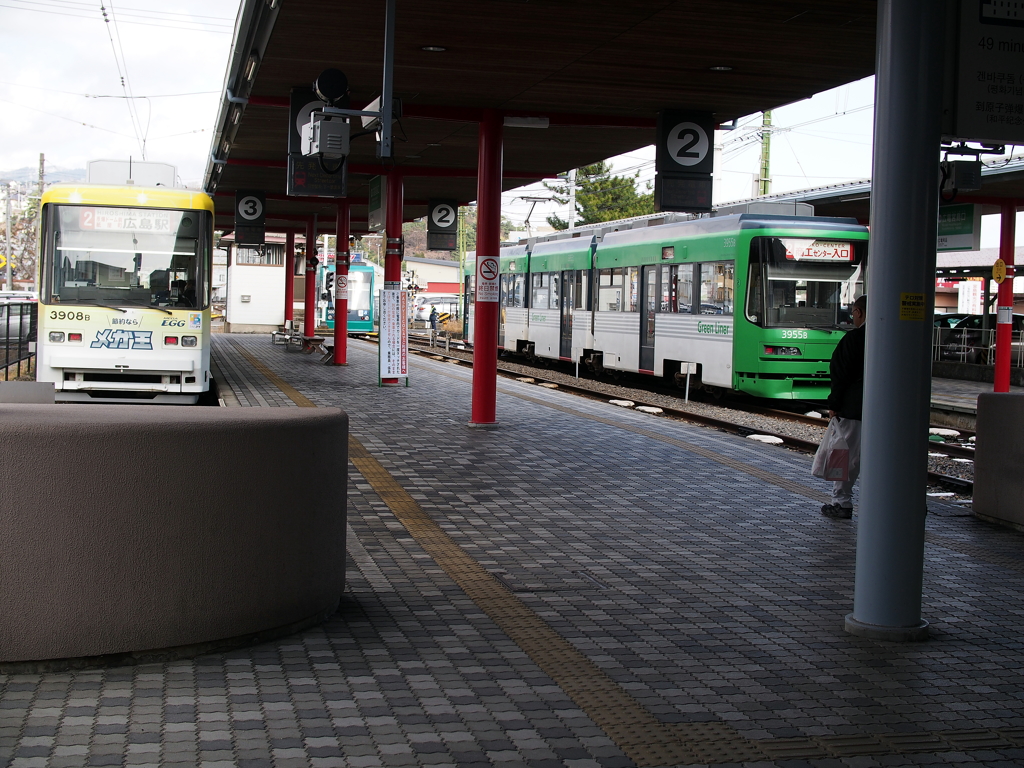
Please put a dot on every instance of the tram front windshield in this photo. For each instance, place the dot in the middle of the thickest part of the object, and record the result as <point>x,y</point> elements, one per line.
<point>805,283</point>
<point>127,256</point>
<point>359,295</point>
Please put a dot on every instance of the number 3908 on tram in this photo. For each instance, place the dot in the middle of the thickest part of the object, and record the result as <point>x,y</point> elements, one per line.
<point>124,293</point>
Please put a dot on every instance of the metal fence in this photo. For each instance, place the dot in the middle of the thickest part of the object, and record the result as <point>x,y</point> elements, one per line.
<point>974,345</point>
<point>17,337</point>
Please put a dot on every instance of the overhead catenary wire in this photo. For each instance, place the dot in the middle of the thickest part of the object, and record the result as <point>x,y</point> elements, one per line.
<point>107,96</point>
<point>69,119</point>
<point>128,10</point>
<point>92,17</point>
<point>122,71</point>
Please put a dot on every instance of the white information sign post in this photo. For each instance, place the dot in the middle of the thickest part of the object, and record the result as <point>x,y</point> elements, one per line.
<point>394,335</point>
<point>487,278</point>
<point>341,288</point>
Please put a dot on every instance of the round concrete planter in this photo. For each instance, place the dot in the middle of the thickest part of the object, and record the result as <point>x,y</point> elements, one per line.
<point>133,528</point>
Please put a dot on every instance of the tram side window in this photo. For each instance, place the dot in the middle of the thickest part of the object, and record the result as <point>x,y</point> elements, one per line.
<point>684,287</point>
<point>555,294</point>
<point>609,290</point>
<point>505,290</point>
<point>669,300</point>
<point>518,291</point>
<point>541,290</point>
<point>581,296</point>
<point>717,283</point>
<point>633,284</point>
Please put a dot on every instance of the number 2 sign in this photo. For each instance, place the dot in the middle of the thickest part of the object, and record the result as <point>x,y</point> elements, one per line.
<point>684,141</point>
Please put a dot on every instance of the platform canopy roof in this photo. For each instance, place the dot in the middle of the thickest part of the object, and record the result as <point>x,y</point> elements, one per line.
<point>1000,184</point>
<point>600,70</point>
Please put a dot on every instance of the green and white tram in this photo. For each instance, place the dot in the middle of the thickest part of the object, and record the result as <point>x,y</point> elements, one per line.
<point>750,302</point>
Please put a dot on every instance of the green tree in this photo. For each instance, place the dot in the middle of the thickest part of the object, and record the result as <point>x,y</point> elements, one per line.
<point>23,240</point>
<point>506,227</point>
<point>600,196</point>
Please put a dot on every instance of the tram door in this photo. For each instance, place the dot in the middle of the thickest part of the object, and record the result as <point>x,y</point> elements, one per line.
<point>565,310</point>
<point>648,312</point>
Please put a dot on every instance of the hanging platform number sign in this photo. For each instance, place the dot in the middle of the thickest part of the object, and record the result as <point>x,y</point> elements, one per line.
<point>684,161</point>
<point>250,217</point>
<point>442,225</point>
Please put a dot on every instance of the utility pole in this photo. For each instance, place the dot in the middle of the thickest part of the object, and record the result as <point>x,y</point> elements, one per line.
<point>7,227</point>
<point>764,183</point>
<point>572,198</point>
<point>462,267</point>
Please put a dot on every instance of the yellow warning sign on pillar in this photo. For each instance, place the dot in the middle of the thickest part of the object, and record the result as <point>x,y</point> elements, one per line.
<point>911,306</point>
<point>999,271</point>
<point>3,261</point>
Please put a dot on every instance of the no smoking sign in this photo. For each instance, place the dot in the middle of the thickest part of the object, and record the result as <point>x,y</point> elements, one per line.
<point>487,279</point>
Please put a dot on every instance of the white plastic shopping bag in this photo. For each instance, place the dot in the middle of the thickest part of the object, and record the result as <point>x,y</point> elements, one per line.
<point>832,460</point>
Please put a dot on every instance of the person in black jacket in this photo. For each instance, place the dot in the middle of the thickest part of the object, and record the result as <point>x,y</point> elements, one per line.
<point>844,405</point>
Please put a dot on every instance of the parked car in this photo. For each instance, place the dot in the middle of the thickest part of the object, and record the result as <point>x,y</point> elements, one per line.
<point>15,321</point>
<point>968,343</point>
<point>446,302</point>
<point>943,324</point>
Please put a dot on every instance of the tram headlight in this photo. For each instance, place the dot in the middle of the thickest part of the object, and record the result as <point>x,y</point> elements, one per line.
<point>189,341</point>
<point>791,351</point>
<point>56,337</point>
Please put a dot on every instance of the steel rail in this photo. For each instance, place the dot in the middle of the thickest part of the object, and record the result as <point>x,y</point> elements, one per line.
<point>796,443</point>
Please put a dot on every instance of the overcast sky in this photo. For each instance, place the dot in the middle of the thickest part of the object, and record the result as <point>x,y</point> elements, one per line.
<point>58,56</point>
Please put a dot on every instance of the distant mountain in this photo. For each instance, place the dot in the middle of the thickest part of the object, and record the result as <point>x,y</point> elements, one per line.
<point>53,175</point>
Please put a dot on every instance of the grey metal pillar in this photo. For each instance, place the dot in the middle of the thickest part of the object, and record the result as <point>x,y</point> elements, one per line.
<point>901,291</point>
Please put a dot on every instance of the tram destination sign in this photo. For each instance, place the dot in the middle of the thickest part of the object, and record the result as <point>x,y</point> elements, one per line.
<point>125,219</point>
<point>989,79</point>
<point>684,160</point>
<point>817,250</point>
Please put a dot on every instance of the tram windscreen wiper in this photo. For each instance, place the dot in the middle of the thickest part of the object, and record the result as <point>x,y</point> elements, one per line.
<point>97,304</point>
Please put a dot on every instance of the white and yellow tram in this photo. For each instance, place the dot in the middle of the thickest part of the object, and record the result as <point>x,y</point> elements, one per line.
<point>124,293</point>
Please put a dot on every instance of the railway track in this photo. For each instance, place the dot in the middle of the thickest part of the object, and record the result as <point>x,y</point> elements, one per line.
<point>807,446</point>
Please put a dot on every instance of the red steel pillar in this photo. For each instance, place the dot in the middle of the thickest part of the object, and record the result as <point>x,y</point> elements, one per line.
<point>393,230</point>
<point>340,280</point>
<point>1004,302</point>
<point>488,244</point>
<point>309,307</point>
<point>289,276</point>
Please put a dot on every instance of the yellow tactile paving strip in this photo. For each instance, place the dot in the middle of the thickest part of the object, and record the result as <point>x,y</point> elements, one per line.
<point>639,734</point>
<point>293,394</point>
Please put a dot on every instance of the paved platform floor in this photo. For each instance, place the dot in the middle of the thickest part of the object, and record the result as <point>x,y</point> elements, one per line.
<point>959,394</point>
<point>585,586</point>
